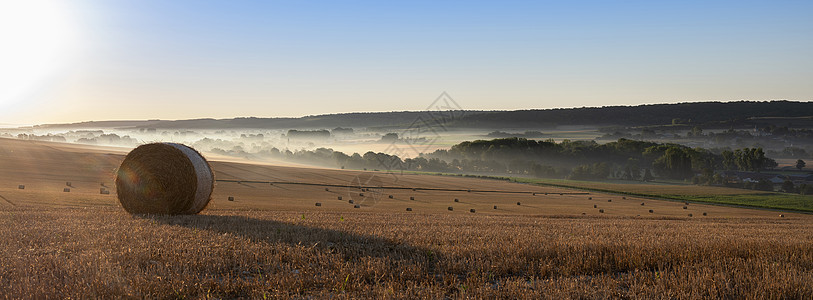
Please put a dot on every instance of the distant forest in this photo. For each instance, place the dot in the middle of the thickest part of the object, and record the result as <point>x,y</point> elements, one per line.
<point>581,160</point>
<point>697,113</point>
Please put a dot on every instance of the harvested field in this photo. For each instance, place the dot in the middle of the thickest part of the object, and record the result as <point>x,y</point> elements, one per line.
<point>274,242</point>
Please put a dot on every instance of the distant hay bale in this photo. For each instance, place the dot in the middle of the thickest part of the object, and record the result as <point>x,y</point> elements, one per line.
<point>164,178</point>
<point>705,214</point>
<point>318,204</point>
<point>450,208</point>
<point>495,207</point>
<point>589,198</point>
<point>356,206</point>
<point>390,196</point>
<point>609,200</point>
<point>231,198</point>
<point>518,203</point>
<point>411,198</point>
<point>350,201</point>
<point>327,190</point>
<point>642,204</point>
<point>22,186</point>
<point>456,200</point>
<point>651,211</point>
<point>690,215</point>
<point>66,190</point>
<point>534,194</point>
<point>595,206</point>
<point>472,210</point>
<point>781,216</point>
<point>361,194</point>
<point>409,209</point>
<point>601,211</point>
<point>468,191</point>
<point>685,207</point>
<point>340,197</point>
<point>68,183</point>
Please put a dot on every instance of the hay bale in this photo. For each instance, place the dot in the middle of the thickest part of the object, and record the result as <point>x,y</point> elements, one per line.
<point>609,200</point>
<point>340,197</point>
<point>390,196</point>
<point>66,190</point>
<point>22,186</point>
<point>327,190</point>
<point>409,208</point>
<point>595,206</point>
<point>318,204</point>
<point>495,207</point>
<point>690,215</point>
<point>651,211</point>
<point>351,201</point>
<point>705,214</point>
<point>642,204</point>
<point>164,178</point>
<point>685,207</point>
<point>456,200</point>
<point>601,211</point>
<point>472,210</point>
<point>411,198</point>
<point>361,194</point>
<point>781,216</point>
<point>231,198</point>
<point>519,203</point>
<point>356,206</point>
<point>450,208</point>
<point>589,198</point>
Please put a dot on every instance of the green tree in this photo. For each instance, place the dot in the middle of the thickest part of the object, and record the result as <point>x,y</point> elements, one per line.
<point>800,164</point>
<point>729,162</point>
<point>648,175</point>
<point>675,163</point>
<point>788,187</point>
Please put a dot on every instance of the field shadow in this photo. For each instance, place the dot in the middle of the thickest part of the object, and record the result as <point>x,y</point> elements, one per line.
<point>350,245</point>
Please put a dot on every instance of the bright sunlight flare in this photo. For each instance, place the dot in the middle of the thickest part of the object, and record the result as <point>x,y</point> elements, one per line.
<point>36,37</point>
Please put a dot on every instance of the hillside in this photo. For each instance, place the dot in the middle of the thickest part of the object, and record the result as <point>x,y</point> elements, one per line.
<point>655,114</point>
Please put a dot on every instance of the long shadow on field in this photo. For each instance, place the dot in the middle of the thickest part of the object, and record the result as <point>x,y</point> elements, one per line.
<point>350,245</point>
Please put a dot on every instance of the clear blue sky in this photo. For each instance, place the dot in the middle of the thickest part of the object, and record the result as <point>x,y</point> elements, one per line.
<point>195,59</point>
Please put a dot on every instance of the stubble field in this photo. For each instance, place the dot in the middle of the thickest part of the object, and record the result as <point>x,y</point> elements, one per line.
<point>273,241</point>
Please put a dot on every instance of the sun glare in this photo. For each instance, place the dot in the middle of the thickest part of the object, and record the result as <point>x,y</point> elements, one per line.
<point>36,36</point>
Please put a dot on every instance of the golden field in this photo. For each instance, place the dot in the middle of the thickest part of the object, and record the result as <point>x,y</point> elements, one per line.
<point>273,241</point>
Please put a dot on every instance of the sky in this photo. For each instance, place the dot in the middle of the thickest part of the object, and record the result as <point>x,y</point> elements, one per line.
<point>82,60</point>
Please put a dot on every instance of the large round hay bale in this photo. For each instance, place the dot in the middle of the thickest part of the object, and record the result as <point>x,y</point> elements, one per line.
<point>164,178</point>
